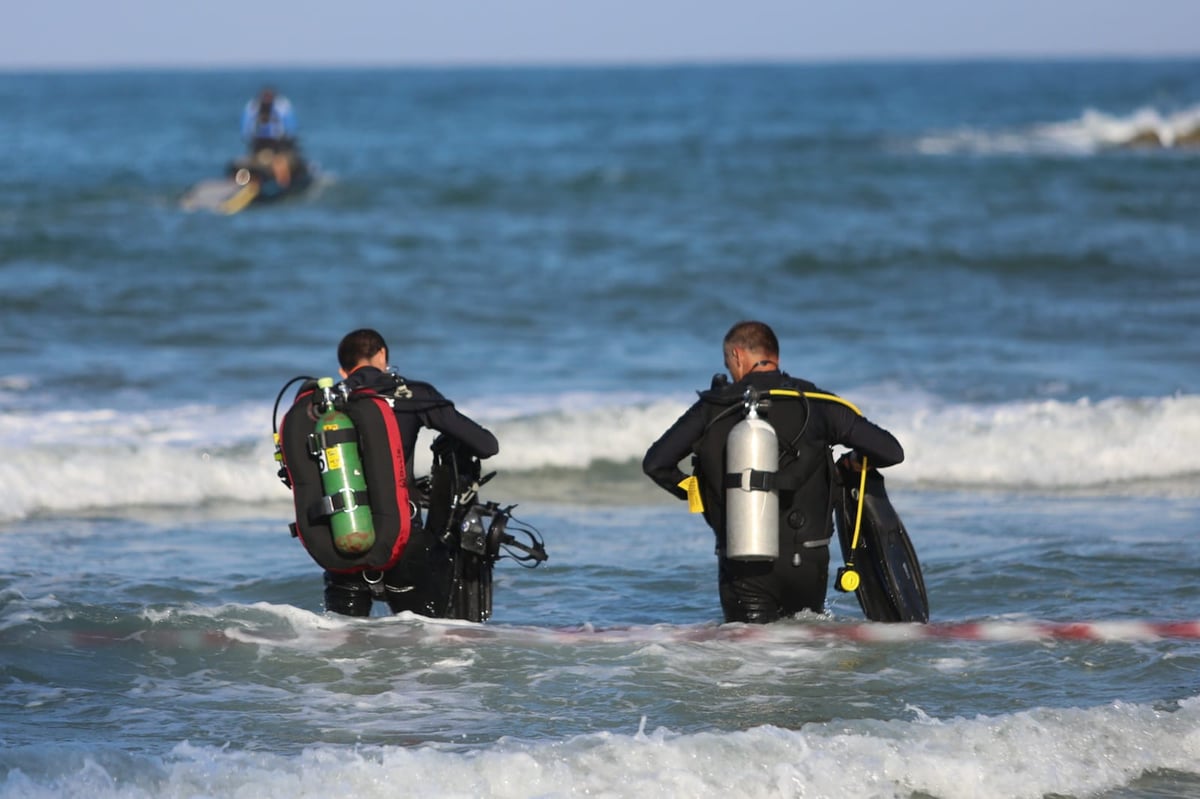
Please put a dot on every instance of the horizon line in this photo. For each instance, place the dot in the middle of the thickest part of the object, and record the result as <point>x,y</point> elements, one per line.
<point>588,63</point>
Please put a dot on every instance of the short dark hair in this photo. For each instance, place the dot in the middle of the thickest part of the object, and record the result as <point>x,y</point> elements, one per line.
<point>358,346</point>
<point>754,337</point>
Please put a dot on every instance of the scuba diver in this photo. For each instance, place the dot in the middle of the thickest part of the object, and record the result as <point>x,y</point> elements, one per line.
<point>771,513</point>
<point>347,454</point>
<point>269,128</point>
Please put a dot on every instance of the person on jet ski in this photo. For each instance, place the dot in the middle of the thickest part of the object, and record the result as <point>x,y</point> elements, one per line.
<point>269,128</point>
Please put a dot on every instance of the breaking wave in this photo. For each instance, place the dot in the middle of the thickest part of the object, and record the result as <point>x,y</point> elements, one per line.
<point>68,462</point>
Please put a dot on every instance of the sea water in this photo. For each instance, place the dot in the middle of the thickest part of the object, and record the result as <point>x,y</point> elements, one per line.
<point>963,250</point>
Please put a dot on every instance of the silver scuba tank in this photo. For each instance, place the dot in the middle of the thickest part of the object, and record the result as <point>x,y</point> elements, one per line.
<point>751,499</point>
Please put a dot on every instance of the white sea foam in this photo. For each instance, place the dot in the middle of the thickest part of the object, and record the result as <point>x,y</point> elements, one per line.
<point>1025,754</point>
<point>193,456</point>
<point>1091,131</point>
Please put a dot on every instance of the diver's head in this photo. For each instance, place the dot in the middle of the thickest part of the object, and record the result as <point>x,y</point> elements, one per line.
<point>750,346</point>
<point>363,347</point>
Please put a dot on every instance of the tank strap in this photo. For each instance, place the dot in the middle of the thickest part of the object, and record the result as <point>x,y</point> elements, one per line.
<point>328,505</point>
<point>756,480</point>
<point>329,438</point>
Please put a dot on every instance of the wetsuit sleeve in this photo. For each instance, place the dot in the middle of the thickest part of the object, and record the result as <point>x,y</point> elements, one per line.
<point>863,436</point>
<point>661,463</point>
<point>445,418</point>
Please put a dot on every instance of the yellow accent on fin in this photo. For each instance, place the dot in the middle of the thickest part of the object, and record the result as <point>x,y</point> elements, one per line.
<point>240,200</point>
<point>692,486</point>
<point>862,493</point>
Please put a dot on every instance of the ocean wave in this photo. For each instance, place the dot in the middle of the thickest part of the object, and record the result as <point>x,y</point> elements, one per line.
<point>1034,753</point>
<point>1091,132</point>
<point>585,448</point>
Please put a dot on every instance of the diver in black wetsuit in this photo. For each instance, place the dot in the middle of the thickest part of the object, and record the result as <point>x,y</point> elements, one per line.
<point>765,591</point>
<point>421,580</point>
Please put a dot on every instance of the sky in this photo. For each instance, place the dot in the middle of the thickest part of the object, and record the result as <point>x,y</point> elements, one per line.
<point>89,34</point>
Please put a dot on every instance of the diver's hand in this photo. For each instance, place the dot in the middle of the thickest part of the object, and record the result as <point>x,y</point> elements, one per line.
<point>851,462</point>
<point>443,445</point>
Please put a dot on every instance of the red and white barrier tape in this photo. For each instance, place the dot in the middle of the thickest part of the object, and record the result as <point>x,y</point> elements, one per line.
<point>866,632</point>
<point>1002,631</point>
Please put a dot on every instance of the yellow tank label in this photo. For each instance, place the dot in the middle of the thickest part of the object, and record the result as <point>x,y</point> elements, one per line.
<point>333,458</point>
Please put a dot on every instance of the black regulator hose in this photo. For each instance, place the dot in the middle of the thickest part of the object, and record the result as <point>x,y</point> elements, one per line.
<point>279,399</point>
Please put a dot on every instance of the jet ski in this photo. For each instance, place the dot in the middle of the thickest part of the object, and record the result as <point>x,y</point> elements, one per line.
<point>259,178</point>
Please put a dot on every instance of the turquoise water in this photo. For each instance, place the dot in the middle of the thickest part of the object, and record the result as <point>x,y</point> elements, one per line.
<point>960,249</point>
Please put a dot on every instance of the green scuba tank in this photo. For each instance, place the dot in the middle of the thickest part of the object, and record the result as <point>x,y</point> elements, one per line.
<point>335,445</point>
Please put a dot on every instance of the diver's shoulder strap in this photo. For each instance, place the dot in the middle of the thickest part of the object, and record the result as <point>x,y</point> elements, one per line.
<point>389,386</point>
<point>726,394</point>
<point>408,395</point>
<point>394,386</point>
<point>798,393</point>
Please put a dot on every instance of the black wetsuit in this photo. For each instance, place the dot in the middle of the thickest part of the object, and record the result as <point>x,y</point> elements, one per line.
<point>421,580</point>
<point>764,591</point>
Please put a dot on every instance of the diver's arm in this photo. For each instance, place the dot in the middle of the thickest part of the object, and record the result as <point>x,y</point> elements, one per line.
<point>445,418</point>
<point>661,463</point>
<point>864,436</point>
